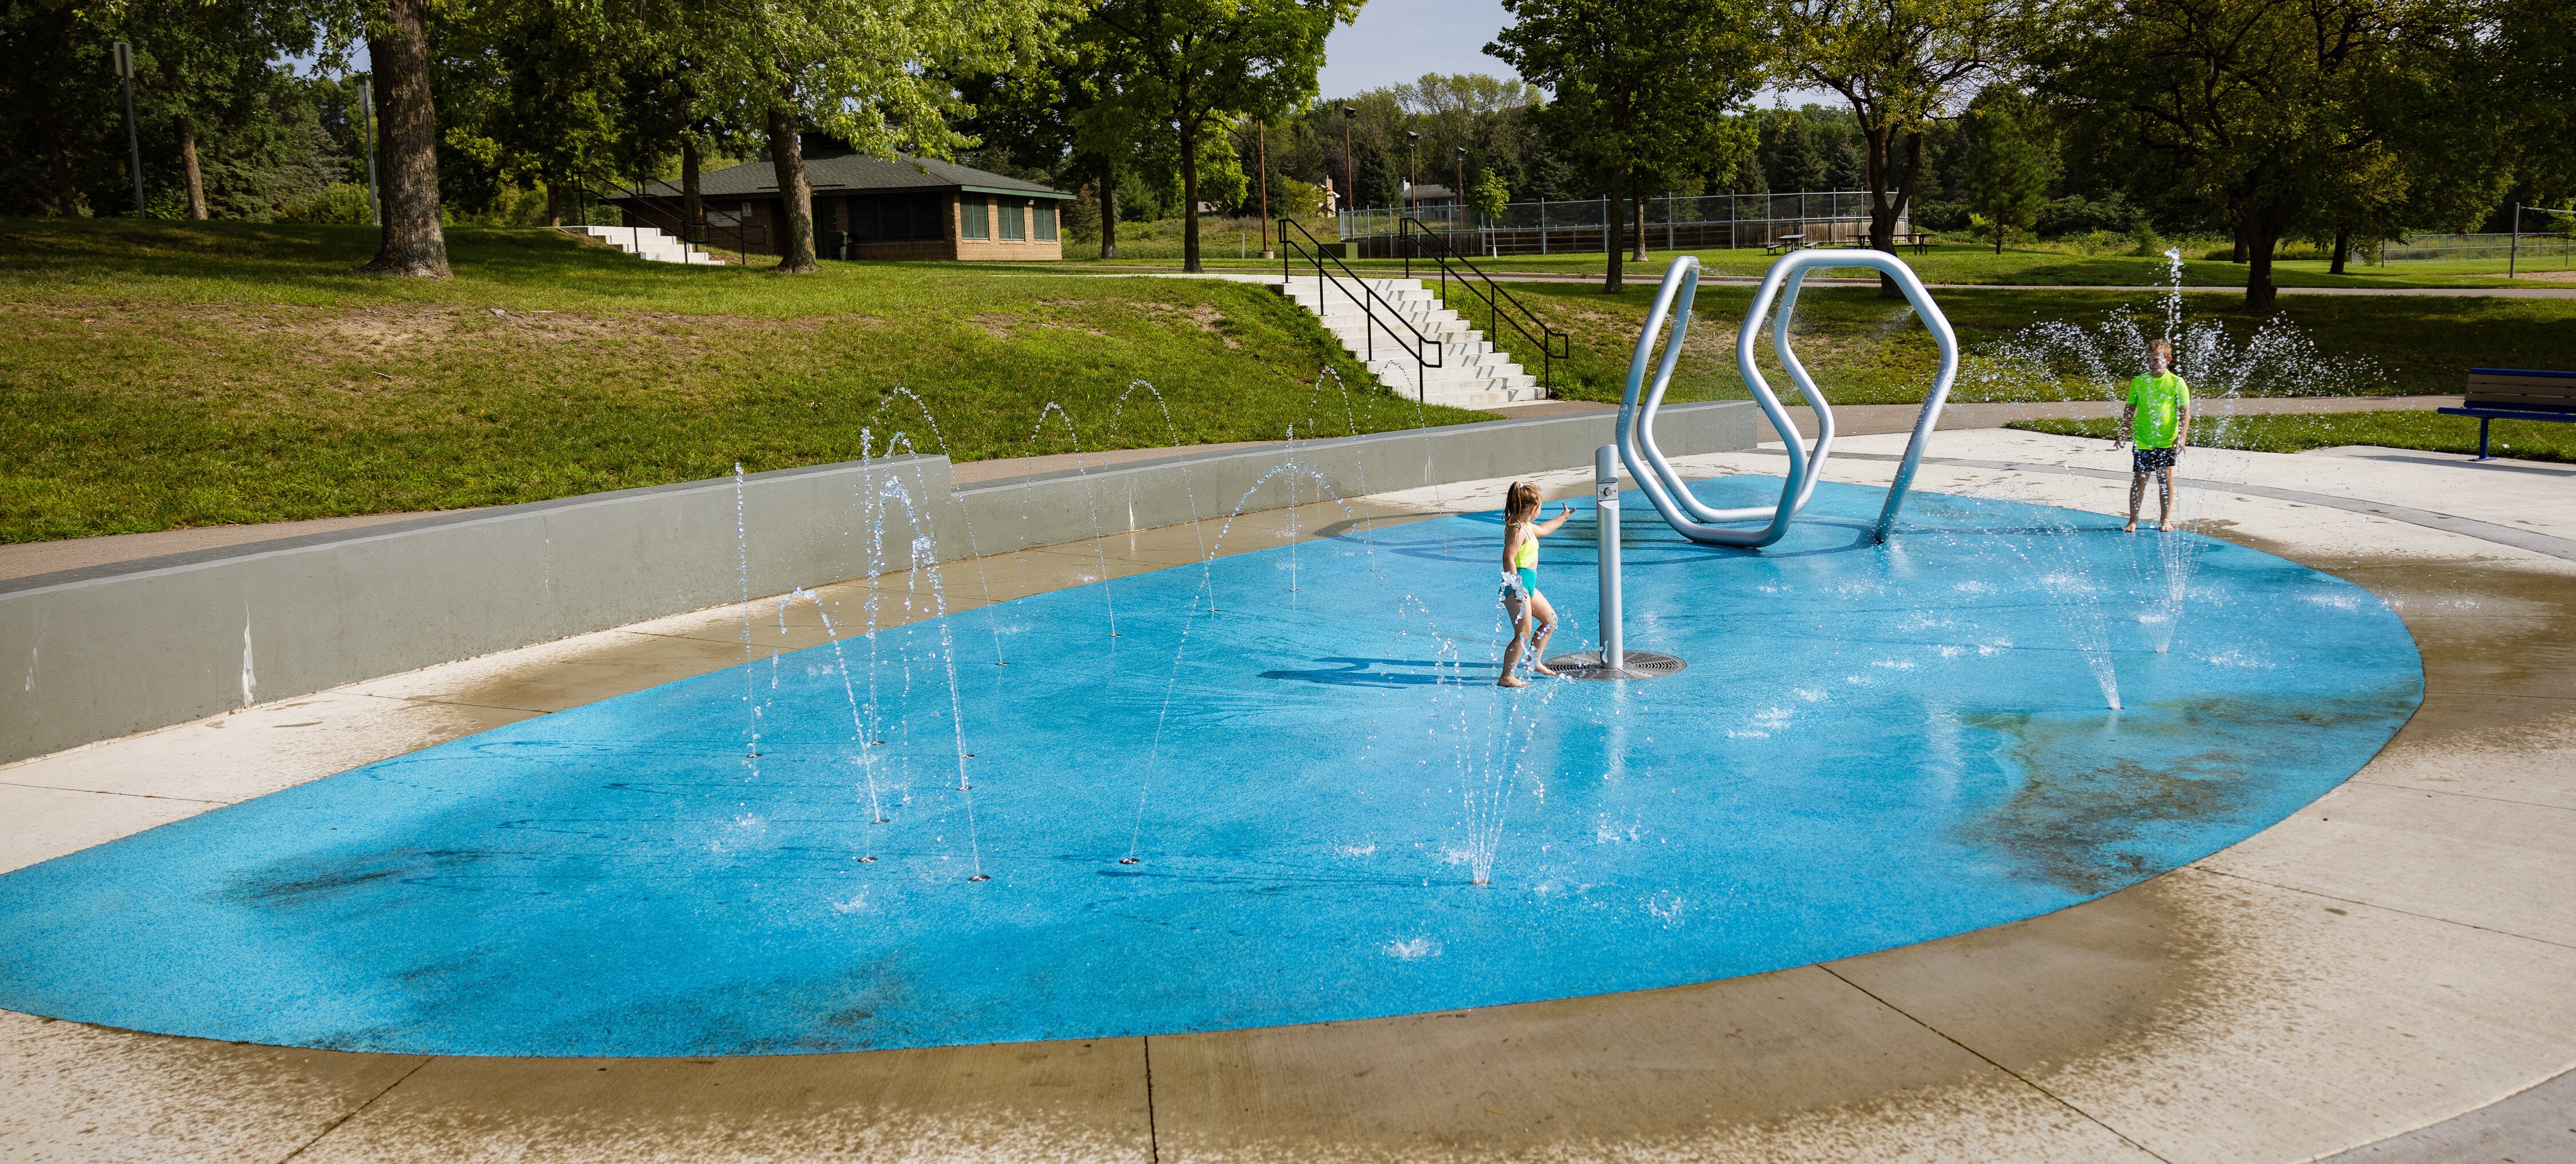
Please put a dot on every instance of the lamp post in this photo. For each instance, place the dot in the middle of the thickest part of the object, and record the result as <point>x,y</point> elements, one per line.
<point>1459,193</point>
<point>1350,171</point>
<point>1261,159</point>
<point>124,55</point>
<point>1412,201</point>
<point>367,130</point>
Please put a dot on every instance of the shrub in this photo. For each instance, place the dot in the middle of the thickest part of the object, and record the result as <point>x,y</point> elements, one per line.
<point>1942,217</point>
<point>339,202</point>
<point>2074,215</point>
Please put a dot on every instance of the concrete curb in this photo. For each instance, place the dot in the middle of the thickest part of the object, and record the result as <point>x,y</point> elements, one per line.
<point>110,650</point>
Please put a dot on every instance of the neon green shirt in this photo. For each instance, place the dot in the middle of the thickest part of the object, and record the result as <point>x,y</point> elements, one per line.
<point>2158,401</point>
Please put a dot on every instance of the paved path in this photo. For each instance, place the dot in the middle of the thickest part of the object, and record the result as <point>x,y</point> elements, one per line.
<point>1647,273</point>
<point>2391,972</point>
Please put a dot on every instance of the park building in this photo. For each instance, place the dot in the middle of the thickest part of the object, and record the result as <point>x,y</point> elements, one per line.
<point>868,208</point>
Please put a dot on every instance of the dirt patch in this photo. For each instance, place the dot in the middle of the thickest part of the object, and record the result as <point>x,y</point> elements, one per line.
<point>1207,317</point>
<point>995,325</point>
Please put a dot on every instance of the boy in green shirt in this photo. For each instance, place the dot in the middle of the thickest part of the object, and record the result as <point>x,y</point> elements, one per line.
<point>2157,420</point>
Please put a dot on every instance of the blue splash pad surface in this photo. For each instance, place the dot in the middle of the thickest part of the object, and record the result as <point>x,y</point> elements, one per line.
<point>1872,746</point>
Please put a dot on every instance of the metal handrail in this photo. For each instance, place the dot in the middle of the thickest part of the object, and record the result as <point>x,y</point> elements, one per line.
<point>1314,254</point>
<point>693,234</point>
<point>1494,295</point>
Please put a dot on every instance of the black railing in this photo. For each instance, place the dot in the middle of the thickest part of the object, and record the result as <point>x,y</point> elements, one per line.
<point>672,217</point>
<point>1311,252</point>
<point>1474,279</point>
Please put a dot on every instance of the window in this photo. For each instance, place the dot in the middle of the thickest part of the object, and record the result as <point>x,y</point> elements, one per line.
<point>975,224</point>
<point>1015,224</point>
<point>1046,221</point>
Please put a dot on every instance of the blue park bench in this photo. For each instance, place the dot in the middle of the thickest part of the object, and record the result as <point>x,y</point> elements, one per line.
<point>2515,394</point>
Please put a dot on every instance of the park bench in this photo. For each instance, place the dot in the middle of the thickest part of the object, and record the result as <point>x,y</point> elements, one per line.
<point>2515,394</point>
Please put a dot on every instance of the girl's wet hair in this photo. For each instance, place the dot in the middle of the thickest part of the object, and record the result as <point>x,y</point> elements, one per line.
<point>1520,504</point>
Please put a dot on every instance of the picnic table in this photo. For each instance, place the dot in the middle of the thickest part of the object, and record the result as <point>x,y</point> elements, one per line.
<point>1786,242</point>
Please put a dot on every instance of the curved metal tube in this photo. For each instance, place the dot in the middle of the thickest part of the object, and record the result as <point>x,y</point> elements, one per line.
<point>1664,486</point>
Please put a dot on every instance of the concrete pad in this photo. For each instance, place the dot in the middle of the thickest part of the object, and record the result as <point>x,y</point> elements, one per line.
<point>45,823</point>
<point>78,1092</point>
<point>561,675</point>
<point>226,759</point>
<point>1794,1065</point>
<point>1043,1101</point>
<point>2493,864</point>
<point>2209,1018</point>
<point>2539,1124</point>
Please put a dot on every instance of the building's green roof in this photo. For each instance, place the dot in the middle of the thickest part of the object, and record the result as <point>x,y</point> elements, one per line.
<point>848,173</point>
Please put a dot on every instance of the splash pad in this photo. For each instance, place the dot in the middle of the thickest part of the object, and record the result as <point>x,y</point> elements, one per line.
<point>1304,755</point>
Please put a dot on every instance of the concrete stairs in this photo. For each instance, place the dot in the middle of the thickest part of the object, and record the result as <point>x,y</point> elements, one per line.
<point>650,244</point>
<point>1471,372</point>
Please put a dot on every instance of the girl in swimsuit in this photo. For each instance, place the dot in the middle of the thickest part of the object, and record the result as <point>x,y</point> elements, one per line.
<point>1529,610</point>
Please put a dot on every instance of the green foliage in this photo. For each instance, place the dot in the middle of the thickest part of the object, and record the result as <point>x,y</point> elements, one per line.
<point>1487,196</point>
<point>344,203</point>
<point>1192,69</point>
<point>1639,85</point>
<point>2005,180</point>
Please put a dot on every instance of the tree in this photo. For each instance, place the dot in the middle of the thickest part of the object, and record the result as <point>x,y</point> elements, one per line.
<point>2269,113</point>
<point>1190,68</point>
<point>1637,84</point>
<point>2005,177</point>
<point>412,243</point>
<point>1900,64</point>
<point>875,74</point>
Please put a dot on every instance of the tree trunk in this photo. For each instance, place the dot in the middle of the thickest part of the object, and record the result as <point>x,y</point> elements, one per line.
<point>1189,198</point>
<point>1108,211</point>
<point>407,141</point>
<point>196,177</point>
<point>1890,187</point>
<point>2238,255</point>
<point>795,195</point>
<point>2343,248</point>
<point>554,205</point>
<point>693,207</point>
<point>1616,281</point>
<point>62,199</point>
<point>1640,241</point>
<point>2258,234</point>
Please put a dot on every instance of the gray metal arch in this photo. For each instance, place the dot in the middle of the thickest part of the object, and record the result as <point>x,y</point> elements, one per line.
<point>1655,475</point>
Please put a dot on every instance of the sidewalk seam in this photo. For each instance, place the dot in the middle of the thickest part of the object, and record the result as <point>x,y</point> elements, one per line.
<point>352,1113</point>
<point>2017,1076</point>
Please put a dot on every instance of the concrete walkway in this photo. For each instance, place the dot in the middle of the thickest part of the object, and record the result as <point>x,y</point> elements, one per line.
<point>2396,955</point>
<point>1647,272</point>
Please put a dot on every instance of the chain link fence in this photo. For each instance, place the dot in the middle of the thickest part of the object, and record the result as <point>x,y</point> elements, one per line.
<point>1699,222</point>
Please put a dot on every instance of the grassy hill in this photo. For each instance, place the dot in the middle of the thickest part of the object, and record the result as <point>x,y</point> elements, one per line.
<point>173,374</point>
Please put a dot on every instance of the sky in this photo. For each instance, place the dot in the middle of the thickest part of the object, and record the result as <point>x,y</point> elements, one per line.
<point>1399,40</point>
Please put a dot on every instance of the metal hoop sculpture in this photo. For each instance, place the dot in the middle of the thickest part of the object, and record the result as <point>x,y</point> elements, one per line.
<point>1656,476</point>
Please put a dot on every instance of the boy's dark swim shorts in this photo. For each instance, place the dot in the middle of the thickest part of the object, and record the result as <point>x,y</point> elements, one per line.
<point>2150,460</point>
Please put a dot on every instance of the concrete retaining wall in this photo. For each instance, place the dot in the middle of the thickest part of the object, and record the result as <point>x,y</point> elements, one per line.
<point>110,650</point>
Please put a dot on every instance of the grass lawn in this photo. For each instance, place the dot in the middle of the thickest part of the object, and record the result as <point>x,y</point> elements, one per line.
<point>177,374</point>
<point>2528,440</point>
<point>1946,263</point>
<point>1867,350</point>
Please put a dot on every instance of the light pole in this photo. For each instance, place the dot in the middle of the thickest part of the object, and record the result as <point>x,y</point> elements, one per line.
<point>1350,174</point>
<point>124,54</point>
<point>367,130</point>
<point>1261,158</point>
<point>1412,201</point>
<point>1460,193</point>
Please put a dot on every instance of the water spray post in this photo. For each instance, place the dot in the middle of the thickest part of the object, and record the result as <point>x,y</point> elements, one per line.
<point>1605,513</point>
